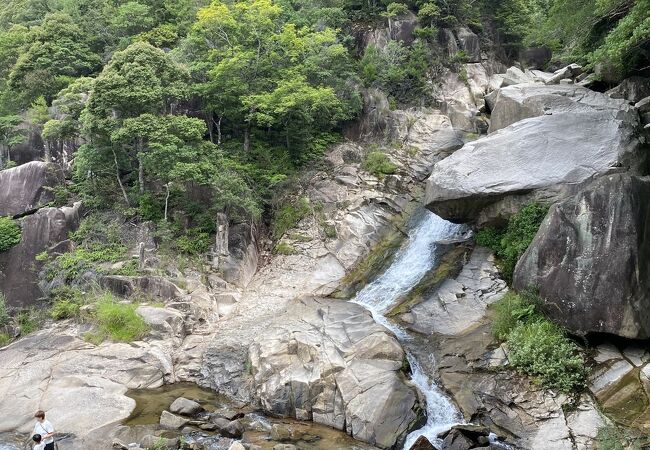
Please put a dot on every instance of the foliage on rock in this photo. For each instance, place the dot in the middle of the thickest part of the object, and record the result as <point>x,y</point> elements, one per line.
<point>10,233</point>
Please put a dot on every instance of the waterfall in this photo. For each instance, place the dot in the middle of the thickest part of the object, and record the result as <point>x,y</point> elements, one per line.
<point>412,262</point>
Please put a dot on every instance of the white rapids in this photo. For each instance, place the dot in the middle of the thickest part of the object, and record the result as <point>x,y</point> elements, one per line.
<point>414,259</point>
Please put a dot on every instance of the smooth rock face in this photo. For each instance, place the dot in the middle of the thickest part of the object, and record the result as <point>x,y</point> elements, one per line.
<point>27,187</point>
<point>157,287</point>
<point>544,158</point>
<point>59,372</point>
<point>47,228</point>
<point>330,362</point>
<point>470,44</point>
<point>522,101</point>
<point>460,302</point>
<point>589,259</point>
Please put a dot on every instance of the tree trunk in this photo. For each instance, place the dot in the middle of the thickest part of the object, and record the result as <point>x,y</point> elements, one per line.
<point>48,151</point>
<point>219,131</point>
<point>221,239</point>
<point>140,167</point>
<point>167,201</point>
<point>119,180</point>
<point>247,138</point>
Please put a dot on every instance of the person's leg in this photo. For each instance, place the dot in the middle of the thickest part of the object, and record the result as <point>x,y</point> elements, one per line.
<point>49,446</point>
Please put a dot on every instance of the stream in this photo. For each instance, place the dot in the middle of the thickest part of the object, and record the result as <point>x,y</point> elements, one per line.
<point>414,259</point>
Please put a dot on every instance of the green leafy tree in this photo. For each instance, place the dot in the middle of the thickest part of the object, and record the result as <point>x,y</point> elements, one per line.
<point>57,52</point>
<point>138,80</point>
<point>11,134</point>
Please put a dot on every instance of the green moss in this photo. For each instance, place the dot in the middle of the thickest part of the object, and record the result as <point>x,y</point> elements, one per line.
<point>284,249</point>
<point>511,242</point>
<point>117,321</point>
<point>450,266</point>
<point>378,164</point>
<point>4,339</point>
<point>612,437</point>
<point>10,233</point>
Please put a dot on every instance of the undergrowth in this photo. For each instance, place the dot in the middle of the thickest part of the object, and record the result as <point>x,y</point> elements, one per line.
<point>116,321</point>
<point>536,346</point>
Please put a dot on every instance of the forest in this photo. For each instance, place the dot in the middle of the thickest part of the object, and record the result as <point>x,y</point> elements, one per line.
<point>152,101</point>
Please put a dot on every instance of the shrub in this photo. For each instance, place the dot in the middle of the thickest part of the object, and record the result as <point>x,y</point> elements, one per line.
<point>9,233</point>
<point>289,215</point>
<point>540,348</point>
<point>117,321</point>
<point>536,346</point>
<point>4,339</point>
<point>510,243</point>
<point>194,242</point>
<point>4,312</point>
<point>28,322</point>
<point>66,302</point>
<point>378,164</point>
<point>151,208</point>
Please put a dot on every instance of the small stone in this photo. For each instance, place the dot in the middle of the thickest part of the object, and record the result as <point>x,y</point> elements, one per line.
<point>280,432</point>
<point>284,447</point>
<point>234,430</point>
<point>169,420</point>
<point>422,443</point>
<point>236,446</point>
<point>185,407</point>
<point>159,442</point>
<point>117,445</point>
<point>208,426</point>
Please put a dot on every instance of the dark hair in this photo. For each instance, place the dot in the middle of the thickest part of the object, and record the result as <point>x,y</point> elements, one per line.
<point>37,438</point>
<point>40,414</point>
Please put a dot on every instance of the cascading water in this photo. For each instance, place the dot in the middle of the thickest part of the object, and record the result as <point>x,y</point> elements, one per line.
<point>414,259</point>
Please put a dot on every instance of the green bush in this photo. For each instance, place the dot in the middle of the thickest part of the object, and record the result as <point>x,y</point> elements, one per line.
<point>536,346</point>
<point>151,208</point>
<point>66,302</point>
<point>4,339</point>
<point>512,241</point>
<point>289,215</point>
<point>28,321</point>
<point>73,264</point>
<point>540,348</point>
<point>378,164</point>
<point>117,321</point>
<point>194,242</point>
<point>9,233</point>
<point>4,312</point>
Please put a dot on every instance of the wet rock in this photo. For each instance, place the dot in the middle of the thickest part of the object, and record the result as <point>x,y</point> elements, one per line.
<point>422,443</point>
<point>459,302</point>
<point>27,187</point>
<point>185,407</point>
<point>351,364</point>
<point>602,230</point>
<point>489,179</point>
<point>19,271</point>
<point>280,432</point>
<point>632,89</point>
<point>172,421</point>
<point>284,447</point>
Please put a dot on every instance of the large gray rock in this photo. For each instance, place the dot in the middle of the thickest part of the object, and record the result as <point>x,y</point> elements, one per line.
<point>541,158</point>
<point>590,257</point>
<point>522,101</point>
<point>27,187</point>
<point>333,364</point>
<point>156,287</point>
<point>19,271</point>
<point>470,44</point>
<point>632,89</point>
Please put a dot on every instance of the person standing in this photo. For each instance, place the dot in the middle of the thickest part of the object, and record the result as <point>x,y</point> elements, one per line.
<point>45,429</point>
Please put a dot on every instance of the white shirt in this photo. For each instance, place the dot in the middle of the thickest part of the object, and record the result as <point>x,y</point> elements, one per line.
<point>44,428</point>
<point>40,446</point>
